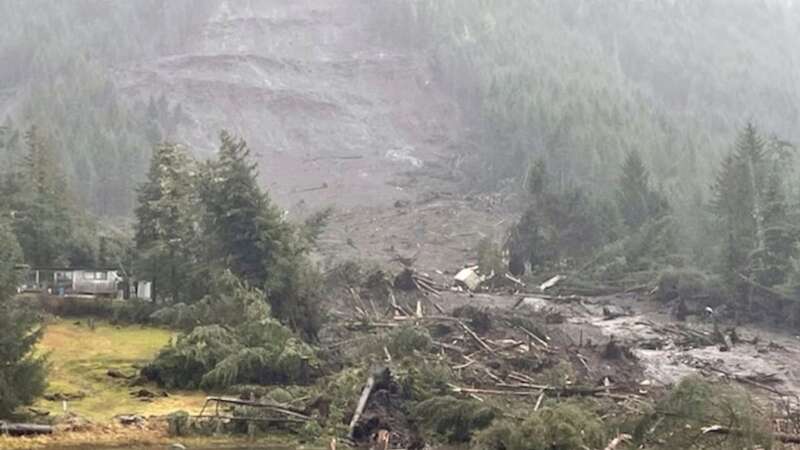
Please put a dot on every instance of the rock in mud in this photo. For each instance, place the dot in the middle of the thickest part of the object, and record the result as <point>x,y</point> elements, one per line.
<point>116,373</point>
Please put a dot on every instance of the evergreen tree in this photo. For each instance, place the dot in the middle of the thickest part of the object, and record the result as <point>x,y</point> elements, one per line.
<point>248,227</point>
<point>22,374</point>
<point>780,236</point>
<point>165,227</point>
<point>557,225</point>
<point>737,203</point>
<point>42,208</point>
<point>636,201</point>
<point>253,240</point>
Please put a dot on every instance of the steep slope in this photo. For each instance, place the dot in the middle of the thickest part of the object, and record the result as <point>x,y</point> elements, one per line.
<point>332,115</point>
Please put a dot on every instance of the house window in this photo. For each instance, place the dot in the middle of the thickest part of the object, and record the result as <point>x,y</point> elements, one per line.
<point>96,276</point>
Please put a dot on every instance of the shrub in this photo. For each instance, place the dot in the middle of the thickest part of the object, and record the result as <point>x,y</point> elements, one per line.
<point>249,346</point>
<point>421,381</point>
<point>452,420</point>
<point>132,311</point>
<point>695,403</point>
<point>405,340</point>
<point>184,364</point>
<point>565,426</point>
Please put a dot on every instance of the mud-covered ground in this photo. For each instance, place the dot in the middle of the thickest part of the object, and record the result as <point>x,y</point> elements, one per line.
<point>623,350</point>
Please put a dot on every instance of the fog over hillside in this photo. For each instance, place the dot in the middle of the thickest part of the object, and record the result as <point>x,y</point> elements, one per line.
<point>581,82</point>
<point>400,224</point>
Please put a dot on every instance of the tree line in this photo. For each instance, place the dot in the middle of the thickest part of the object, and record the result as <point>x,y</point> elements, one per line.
<point>749,250</point>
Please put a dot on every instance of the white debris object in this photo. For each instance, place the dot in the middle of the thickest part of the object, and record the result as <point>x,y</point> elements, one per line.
<point>468,278</point>
<point>550,283</point>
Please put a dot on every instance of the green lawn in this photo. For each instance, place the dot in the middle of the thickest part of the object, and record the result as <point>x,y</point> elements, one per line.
<point>79,359</point>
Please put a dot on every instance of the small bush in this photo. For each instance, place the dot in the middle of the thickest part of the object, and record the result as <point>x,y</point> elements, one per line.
<point>452,420</point>
<point>695,403</point>
<point>405,340</point>
<point>184,364</point>
<point>178,316</point>
<point>419,382</point>
<point>213,356</point>
<point>132,311</point>
<point>560,375</point>
<point>565,426</point>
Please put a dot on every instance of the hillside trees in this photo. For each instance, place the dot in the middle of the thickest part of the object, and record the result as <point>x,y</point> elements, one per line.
<point>50,228</point>
<point>752,213</point>
<point>47,218</point>
<point>59,68</point>
<point>583,84</point>
<point>558,224</point>
<point>42,222</point>
<point>568,225</point>
<point>22,374</point>
<point>636,199</point>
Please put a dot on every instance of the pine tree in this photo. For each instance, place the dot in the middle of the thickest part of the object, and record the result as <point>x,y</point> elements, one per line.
<point>22,373</point>
<point>751,154</point>
<point>165,215</point>
<point>750,209</point>
<point>632,194</point>
<point>636,200</point>
<point>780,236</point>
<point>247,226</point>
<point>42,209</point>
<point>253,240</point>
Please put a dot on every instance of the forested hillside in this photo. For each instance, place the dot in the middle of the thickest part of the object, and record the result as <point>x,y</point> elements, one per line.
<point>56,72</point>
<point>582,83</point>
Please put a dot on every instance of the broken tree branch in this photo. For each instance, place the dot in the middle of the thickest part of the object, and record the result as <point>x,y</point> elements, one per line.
<point>786,438</point>
<point>477,338</point>
<point>746,380</point>
<point>362,403</point>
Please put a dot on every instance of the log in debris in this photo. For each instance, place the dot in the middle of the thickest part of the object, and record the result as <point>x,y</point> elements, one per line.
<point>550,283</point>
<point>477,338</point>
<point>291,413</point>
<point>528,390</point>
<point>24,429</point>
<point>786,438</point>
<point>364,398</point>
<point>751,380</point>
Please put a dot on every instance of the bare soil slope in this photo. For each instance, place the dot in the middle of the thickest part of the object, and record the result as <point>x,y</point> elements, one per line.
<point>338,114</point>
<point>317,92</point>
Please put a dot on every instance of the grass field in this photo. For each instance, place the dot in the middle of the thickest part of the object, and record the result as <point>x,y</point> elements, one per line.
<point>80,358</point>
